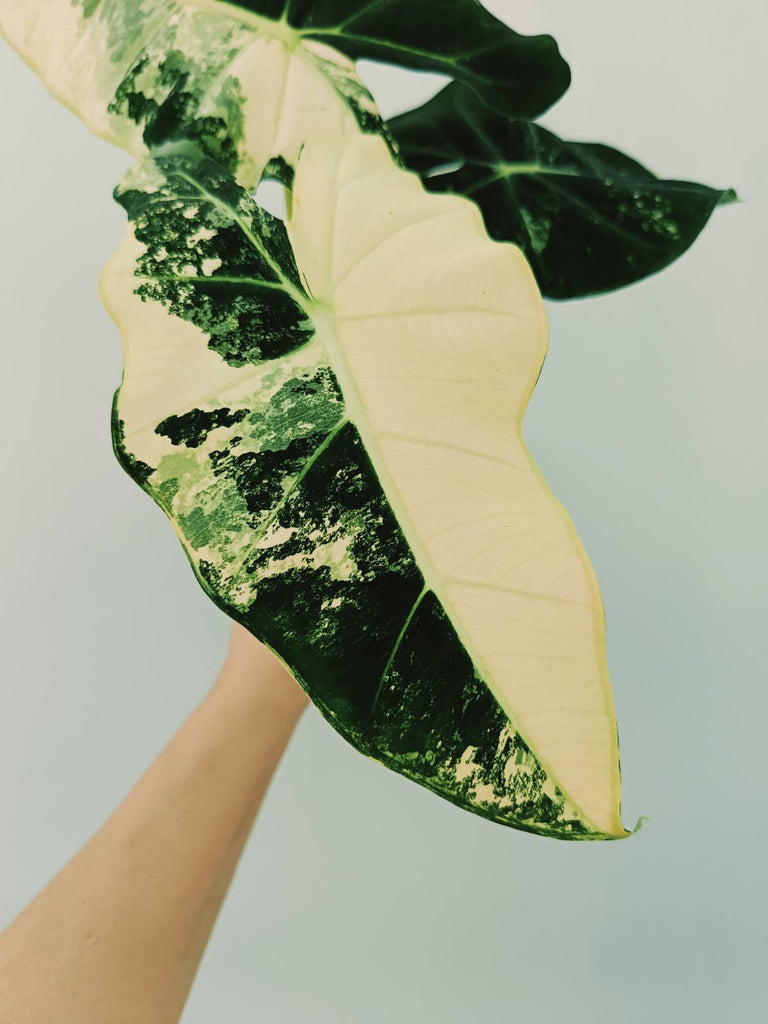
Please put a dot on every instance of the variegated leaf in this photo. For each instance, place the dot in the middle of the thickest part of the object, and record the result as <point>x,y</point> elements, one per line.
<point>251,82</point>
<point>247,90</point>
<point>330,415</point>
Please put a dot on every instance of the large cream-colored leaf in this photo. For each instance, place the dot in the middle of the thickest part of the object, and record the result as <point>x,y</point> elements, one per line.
<point>337,442</point>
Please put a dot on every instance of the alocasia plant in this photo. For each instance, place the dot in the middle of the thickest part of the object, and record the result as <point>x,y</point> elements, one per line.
<point>329,409</point>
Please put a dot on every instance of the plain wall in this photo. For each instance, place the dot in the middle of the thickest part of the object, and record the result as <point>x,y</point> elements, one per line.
<point>363,899</point>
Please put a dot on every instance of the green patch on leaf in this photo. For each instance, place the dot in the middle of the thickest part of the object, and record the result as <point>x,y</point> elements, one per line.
<point>220,263</point>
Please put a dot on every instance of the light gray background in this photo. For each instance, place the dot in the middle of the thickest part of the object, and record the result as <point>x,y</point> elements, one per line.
<point>363,899</point>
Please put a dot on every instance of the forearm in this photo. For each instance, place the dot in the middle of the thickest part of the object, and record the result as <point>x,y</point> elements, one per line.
<point>117,936</point>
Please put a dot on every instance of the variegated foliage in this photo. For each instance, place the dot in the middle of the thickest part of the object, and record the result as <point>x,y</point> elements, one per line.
<point>252,81</point>
<point>329,413</point>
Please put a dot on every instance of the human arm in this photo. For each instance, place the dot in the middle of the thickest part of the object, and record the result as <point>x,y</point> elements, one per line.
<point>117,936</point>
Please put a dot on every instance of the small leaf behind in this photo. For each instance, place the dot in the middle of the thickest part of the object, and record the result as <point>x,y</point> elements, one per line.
<point>589,218</point>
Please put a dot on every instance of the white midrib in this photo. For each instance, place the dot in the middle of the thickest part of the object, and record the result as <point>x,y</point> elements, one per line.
<point>357,414</point>
<point>325,322</point>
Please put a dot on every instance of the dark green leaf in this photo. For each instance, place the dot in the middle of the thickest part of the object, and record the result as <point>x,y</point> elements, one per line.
<point>589,218</point>
<point>519,75</point>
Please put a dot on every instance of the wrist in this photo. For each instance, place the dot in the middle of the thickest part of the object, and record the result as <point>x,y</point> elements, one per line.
<point>254,678</point>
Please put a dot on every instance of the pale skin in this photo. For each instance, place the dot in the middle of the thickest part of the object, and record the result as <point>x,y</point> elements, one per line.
<point>117,936</point>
